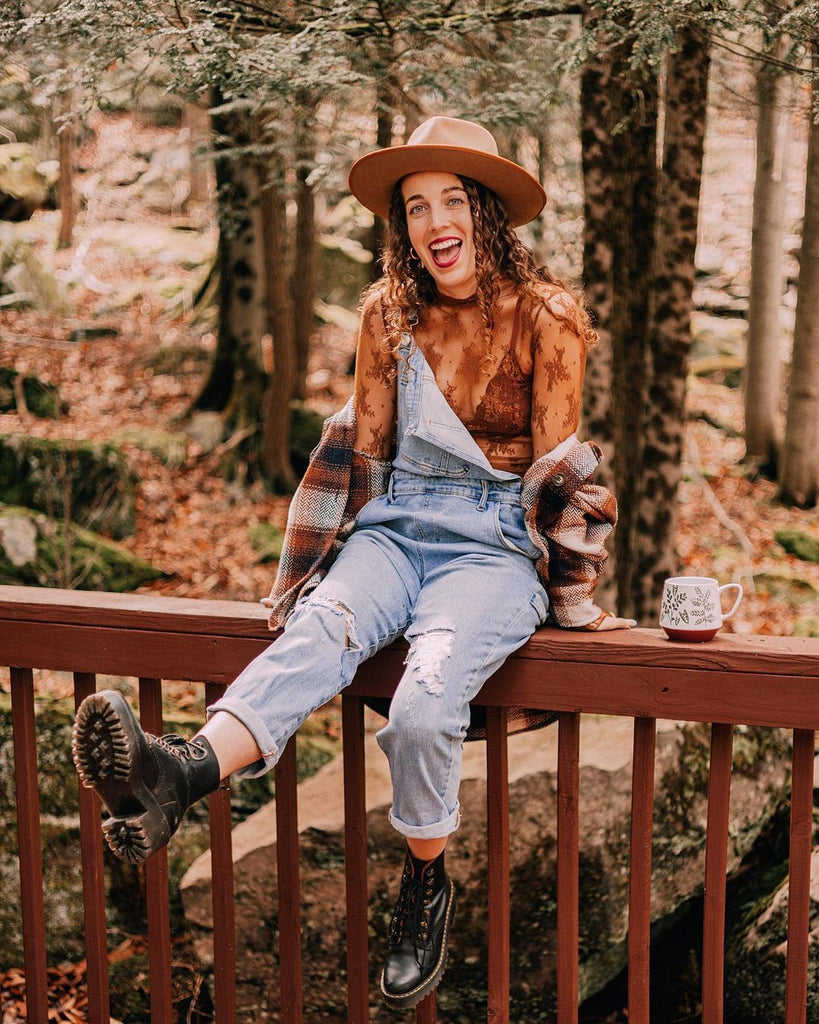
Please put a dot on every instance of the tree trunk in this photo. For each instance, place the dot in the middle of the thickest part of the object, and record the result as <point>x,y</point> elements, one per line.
<point>385,95</point>
<point>799,481</point>
<point>618,135</point>
<point>305,262</point>
<point>236,381</point>
<point>281,382</point>
<point>65,189</point>
<point>763,430</point>
<point>655,512</point>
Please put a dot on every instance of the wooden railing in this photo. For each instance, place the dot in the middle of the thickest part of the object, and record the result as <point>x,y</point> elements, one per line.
<point>753,680</point>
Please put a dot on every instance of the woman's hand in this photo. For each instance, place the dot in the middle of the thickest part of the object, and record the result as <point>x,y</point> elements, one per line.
<point>606,621</point>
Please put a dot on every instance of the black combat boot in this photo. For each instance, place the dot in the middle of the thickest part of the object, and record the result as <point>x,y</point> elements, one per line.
<point>418,932</point>
<point>146,782</point>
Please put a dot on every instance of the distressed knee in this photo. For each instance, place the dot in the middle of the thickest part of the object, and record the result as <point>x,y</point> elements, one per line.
<point>428,654</point>
<point>337,613</point>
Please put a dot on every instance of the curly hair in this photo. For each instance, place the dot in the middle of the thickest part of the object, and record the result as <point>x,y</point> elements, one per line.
<point>407,286</point>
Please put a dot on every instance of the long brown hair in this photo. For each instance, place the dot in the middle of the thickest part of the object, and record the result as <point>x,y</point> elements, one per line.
<point>407,286</point>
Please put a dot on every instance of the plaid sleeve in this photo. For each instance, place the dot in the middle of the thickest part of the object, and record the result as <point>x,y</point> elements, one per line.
<point>337,484</point>
<point>569,519</point>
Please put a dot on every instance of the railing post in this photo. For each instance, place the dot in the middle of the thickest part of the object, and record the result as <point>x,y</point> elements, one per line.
<point>639,892</point>
<point>288,887</point>
<point>796,979</point>
<point>568,852</point>
<point>156,880</point>
<point>355,859</point>
<point>93,882</point>
<point>716,865</point>
<point>224,920</point>
<point>497,830</point>
<point>30,848</point>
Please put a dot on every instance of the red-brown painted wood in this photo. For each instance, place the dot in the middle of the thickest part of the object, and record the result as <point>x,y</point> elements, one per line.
<point>639,902</point>
<point>224,921</point>
<point>355,859</point>
<point>30,850</point>
<point>426,1012</point>
<point>93,883</point>
<point>156,880</point>
<point>799,877</point>
<point>289,887</point>
<point>497,843</point>
<point>568,853</point>
<point>716,863</point>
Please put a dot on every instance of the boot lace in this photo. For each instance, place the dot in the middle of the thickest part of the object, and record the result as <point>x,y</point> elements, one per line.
<point>412,914</point>
<point>181,748</point>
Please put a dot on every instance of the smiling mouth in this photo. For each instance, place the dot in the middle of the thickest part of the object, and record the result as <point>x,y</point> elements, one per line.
<point>446,252</point>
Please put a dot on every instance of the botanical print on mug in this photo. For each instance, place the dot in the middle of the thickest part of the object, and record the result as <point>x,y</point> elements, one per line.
<point>675,607</point>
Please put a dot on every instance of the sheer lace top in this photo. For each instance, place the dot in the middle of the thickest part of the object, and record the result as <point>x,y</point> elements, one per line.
<point>495,392</point>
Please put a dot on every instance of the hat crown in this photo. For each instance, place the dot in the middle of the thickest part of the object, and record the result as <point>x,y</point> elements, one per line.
<point>452,131</point>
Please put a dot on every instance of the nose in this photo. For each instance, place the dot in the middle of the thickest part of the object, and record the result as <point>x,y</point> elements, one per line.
<point>439,215</point>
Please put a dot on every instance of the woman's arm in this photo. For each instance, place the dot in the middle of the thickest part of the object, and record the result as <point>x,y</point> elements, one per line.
<point>578,524</point>
<point>375,387</point>
<point>559,362</point>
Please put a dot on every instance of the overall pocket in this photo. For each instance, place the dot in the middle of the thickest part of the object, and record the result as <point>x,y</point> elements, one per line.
<point>512,532</point>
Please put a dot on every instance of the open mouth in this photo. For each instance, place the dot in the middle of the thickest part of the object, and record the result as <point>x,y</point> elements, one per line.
<point>445,252</point>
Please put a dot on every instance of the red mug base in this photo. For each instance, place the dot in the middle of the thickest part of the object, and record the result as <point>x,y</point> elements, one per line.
<point>691,636</point>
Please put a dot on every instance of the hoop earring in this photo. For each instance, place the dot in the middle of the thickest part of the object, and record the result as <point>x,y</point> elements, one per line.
<point>414,257</point>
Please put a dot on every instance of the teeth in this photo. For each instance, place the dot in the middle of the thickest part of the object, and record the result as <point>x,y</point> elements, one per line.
<point>444,245</point>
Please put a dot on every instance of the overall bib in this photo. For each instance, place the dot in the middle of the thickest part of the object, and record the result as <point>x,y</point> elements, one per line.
<point>442,557</point>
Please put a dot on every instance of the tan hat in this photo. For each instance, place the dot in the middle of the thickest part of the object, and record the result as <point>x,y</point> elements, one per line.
<point>447,144</point>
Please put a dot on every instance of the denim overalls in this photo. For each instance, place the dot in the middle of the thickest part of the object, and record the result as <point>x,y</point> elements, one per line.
<point>443,557</point>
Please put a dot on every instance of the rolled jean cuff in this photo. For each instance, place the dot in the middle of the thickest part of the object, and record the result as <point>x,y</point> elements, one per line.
<point>254,724</point>
<point>435,831</point>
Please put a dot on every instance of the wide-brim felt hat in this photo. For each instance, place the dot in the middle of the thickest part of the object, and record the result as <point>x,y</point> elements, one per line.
<point>457,147</point>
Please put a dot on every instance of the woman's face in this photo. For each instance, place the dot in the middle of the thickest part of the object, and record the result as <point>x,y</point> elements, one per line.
<point>439,223</point>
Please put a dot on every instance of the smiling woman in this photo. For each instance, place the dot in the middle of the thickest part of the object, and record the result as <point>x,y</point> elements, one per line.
<point>439,222</point>
<point>449,502</point>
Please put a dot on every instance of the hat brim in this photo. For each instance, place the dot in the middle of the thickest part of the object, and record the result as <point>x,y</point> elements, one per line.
<point>373,177</point>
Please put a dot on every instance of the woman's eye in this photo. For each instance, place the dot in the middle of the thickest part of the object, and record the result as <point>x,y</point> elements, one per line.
<point>417,208</point>
<point>456,200</point>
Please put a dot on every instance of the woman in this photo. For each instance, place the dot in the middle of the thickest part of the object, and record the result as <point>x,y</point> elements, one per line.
<point>449,502</point>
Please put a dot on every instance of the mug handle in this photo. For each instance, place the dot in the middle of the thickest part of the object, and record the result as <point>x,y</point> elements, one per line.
<point>727,586</point>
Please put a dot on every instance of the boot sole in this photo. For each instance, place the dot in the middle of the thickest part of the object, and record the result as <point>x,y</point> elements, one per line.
<point>108,748</point>
<point>406,1000</point>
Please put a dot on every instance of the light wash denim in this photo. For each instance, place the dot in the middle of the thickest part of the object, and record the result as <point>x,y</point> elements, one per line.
<point>444,558</point>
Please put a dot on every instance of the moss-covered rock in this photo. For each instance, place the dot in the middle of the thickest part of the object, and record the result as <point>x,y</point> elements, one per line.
<point>756,951</point>
<point>42,400</point>
<point>797,542</point>
<point>38,551</point>
<point>90,480</point>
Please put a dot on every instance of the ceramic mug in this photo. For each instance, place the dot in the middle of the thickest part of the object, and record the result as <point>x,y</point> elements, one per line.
<point>691,608</point>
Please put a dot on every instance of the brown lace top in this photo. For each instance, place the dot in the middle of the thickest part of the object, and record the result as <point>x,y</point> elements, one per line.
<point>518,399</point>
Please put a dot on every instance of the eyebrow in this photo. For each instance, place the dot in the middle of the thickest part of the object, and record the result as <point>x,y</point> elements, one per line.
<point>449,188</point>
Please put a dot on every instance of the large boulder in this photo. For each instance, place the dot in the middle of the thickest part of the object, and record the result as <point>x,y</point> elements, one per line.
<point>41,474</point>
<point>605,779</point>
<point>757,950</point>
<point>38,551</point>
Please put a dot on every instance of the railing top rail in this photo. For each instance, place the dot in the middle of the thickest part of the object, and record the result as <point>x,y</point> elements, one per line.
<point>642,648</point>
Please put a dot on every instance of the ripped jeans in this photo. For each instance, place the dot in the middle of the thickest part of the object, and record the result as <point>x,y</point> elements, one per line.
<point>446,562</point>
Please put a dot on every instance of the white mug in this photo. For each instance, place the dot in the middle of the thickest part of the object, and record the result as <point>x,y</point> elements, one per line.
<point>691,608</point>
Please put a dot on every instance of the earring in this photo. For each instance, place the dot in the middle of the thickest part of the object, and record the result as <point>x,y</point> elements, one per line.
<point>414,257</point>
